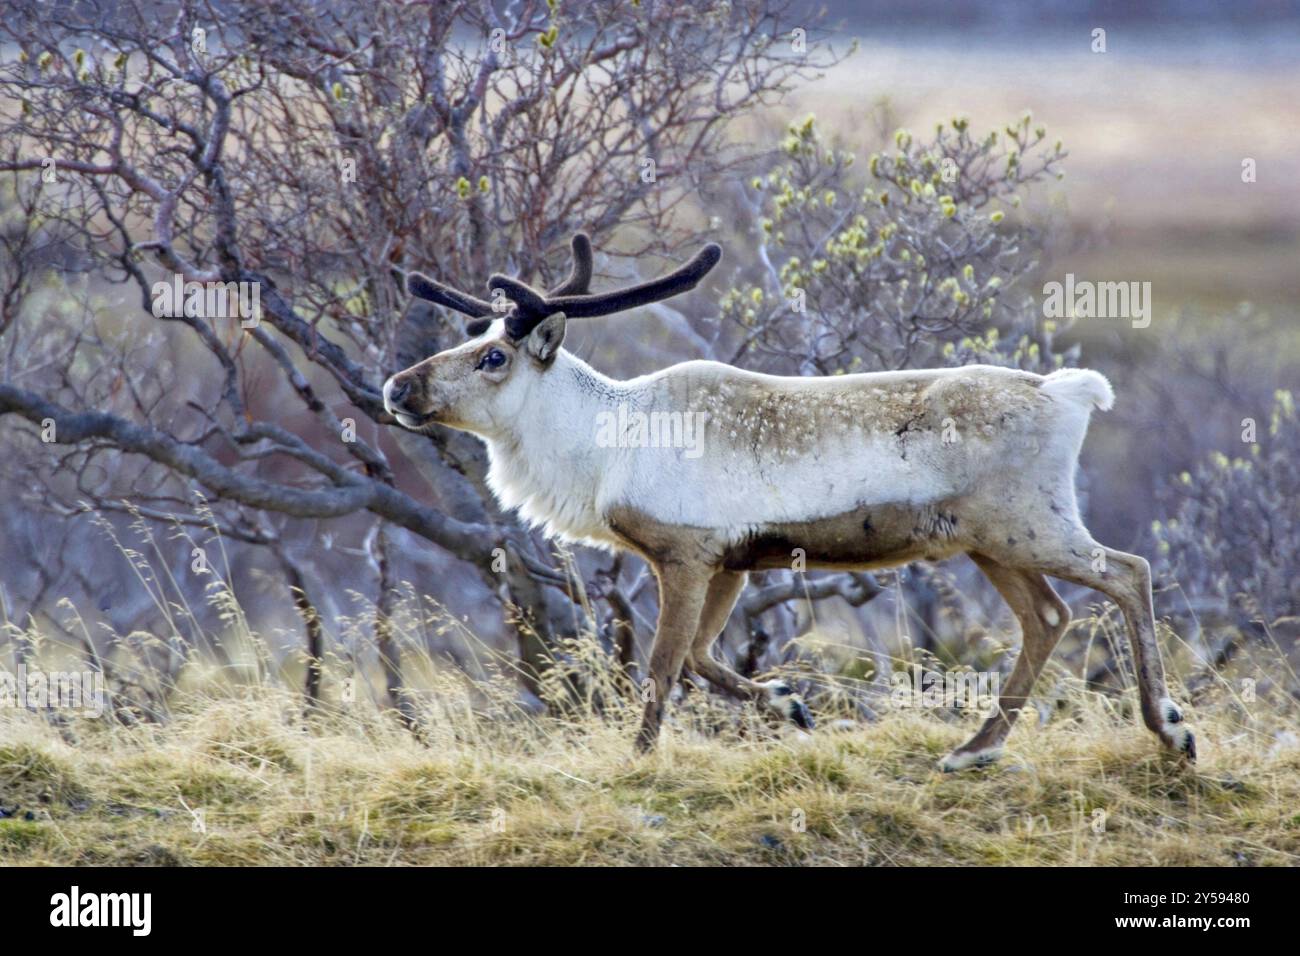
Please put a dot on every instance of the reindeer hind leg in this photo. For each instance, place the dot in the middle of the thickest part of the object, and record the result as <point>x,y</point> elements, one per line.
<point>1043,618</point>
<point>1126,579</point>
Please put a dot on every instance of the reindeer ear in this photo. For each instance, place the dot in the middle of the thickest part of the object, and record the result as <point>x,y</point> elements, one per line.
<point>545,339</point>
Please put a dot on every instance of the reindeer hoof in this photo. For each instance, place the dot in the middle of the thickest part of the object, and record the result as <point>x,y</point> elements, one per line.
<point>782,699</point>
<point>1180,740</point>
<point>1174,734</point>
<point>802,716</point>
<point>967,759</point>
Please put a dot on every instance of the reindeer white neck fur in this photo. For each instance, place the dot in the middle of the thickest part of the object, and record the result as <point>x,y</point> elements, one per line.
<point>547,466</point>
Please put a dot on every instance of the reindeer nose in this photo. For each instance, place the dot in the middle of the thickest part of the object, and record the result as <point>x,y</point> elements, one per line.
<point>398,390</point>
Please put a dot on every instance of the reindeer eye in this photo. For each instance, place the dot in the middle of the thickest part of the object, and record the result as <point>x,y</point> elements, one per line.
<point>492,358</point>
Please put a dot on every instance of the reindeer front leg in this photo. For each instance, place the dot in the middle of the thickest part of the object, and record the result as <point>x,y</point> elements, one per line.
<point>776,695</point>
<point>682,590</point>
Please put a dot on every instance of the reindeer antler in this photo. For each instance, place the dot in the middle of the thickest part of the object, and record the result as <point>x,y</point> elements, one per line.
<point>417,283</point>
<point>579,279</point>
<point>577,283</point>
<point>531,307</point>
<point>570,297</point>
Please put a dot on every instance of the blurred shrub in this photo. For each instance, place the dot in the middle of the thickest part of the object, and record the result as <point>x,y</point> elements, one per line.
<point>1233,535</point>
<point>902,264</point>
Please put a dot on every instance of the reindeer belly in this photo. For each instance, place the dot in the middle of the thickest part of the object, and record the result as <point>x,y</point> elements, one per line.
<point>861,539</point>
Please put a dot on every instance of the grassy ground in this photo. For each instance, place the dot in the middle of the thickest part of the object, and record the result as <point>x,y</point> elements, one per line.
<point>1088,786</point>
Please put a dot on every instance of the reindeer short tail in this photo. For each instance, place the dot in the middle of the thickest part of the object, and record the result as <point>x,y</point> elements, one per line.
<point>1082,386</point>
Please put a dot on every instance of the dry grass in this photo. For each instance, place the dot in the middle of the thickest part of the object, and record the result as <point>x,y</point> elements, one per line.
<point>1087,787</point>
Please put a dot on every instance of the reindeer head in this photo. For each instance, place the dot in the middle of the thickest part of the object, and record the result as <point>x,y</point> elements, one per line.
<point>483,384</point>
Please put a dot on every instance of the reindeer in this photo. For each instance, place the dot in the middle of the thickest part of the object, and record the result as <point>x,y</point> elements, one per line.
<point>850,472</point>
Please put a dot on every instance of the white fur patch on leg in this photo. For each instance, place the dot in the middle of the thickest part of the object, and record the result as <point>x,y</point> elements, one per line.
<point>1173,731</point>
<point>779,697</point>
<point>782,699</point>
<point>1051,616</point>
<point>965,759</point>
